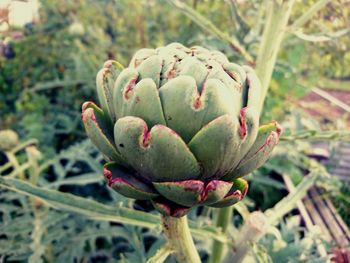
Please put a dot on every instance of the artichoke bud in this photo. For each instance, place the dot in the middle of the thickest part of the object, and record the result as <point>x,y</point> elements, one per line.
<point>140,56</point>
<point>267,138</point>
<point>237,73</point>
<point>151,68</point>
<point>8,140</point>
<point>169,209</point>
<point>237,192</point>
<point>126,183</point>
<point>177,46</point>
<point>178,127</point>
<point>190,66</point>
<point>124,84</point>
<point>105,84</point>
<point>252,91</point>
<point>259,157</point>
<point>97,128</point>
<point>249,125</point>
<point>264,134</point>
<point>76,29</point>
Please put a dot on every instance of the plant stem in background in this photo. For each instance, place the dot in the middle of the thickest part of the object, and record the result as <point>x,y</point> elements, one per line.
<point>314,135</point>
<point>309,14</point>
<point>275,27</point>
<point>253,229</point>
<point>223,221</point>
<point>15,164</point>
<point>179,237</point>
<point>257,224</point>
<point>286,204</point>
<point>161,255</point>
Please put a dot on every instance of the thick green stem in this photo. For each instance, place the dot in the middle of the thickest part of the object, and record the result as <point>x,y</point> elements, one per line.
<point>223,221</point>
<point>275,27</point>
<point>179,237</point>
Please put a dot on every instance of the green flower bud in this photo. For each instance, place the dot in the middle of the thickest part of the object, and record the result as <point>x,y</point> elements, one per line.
<point>8,140</point>
<point>179,127</point>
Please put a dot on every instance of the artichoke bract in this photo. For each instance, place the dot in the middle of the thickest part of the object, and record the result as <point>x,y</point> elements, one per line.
<point>8,140</point>
<point>179,127</point>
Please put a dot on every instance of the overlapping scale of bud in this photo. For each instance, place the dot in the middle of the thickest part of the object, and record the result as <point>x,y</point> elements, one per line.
<point>179,127</point>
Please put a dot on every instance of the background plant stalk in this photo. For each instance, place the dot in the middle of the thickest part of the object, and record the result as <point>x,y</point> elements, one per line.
<point>223,221</point>
<point>275,27</point>
<point>179,238</point>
